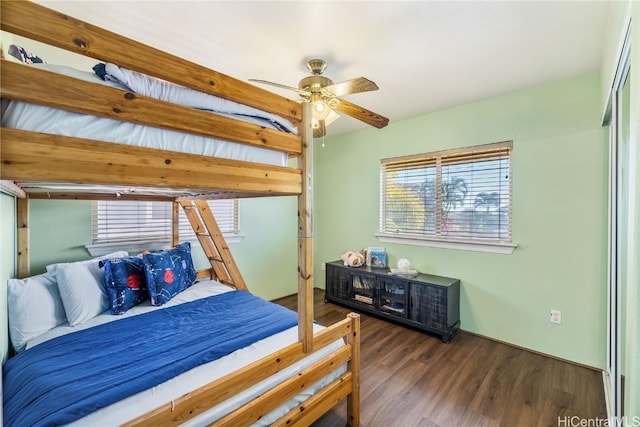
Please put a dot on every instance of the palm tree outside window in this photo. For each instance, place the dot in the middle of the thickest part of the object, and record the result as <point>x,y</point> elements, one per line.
<point>457,195</point>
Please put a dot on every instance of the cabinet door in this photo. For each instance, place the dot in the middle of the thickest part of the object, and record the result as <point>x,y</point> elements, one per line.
<point>392,297</point>
<point>338,282</point>
<point>429,305</point>
<point>363,288</point>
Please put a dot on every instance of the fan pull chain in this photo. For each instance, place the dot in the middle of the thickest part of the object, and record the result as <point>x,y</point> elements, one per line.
<point>323,140</point>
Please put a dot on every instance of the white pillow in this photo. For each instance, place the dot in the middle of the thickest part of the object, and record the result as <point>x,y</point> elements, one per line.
<point>82,289</point>
<point>34,306</point>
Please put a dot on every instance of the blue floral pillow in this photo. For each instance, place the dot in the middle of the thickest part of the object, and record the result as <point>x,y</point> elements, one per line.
<point>169,272</point>
<point>125,281</point>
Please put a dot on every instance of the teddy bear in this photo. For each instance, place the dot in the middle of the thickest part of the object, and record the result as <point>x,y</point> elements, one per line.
<point>352,259</point>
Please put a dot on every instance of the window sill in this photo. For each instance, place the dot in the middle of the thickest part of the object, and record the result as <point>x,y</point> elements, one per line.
<point>465,245</point>
<point>99,249</point>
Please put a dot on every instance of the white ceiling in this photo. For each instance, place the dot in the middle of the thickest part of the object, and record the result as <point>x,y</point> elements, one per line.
<point>424,55</point>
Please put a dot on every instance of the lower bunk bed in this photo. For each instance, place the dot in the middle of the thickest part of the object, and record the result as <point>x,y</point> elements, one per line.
<point>211,355</point>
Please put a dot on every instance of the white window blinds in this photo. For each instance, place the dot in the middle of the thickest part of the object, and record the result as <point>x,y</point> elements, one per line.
<point>462,194</point>
<point>142,221</point>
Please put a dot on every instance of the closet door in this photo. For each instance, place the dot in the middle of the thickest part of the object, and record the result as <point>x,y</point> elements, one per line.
<point>619,199</point>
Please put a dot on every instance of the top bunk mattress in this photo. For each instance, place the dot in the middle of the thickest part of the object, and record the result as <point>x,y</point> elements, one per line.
<point>26,116</point>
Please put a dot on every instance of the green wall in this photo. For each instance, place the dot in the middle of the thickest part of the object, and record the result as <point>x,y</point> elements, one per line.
<point>7,262</point>
<point>267,256</point>
<point>60,229</point>
<point>559,213</point>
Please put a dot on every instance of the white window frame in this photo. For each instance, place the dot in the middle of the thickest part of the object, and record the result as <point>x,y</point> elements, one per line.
<point>100,247</point>
<point>434,238</point>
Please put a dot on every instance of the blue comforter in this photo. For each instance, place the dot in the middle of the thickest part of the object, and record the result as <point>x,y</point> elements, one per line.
<point>66,378</point>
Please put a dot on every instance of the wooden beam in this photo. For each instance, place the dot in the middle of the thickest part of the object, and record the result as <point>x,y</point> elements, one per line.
<point>38,86</point>
<point>84,195</point>
<point>40,190</point>
<point>57,29</point>
<point>318,404</point>
<point>175,223</point>
<point>38,156</point>
<point>353,400</point>
<point>204,273</point>
<point>24,257</point>
<point>12,189</point>
<point>305,234</point>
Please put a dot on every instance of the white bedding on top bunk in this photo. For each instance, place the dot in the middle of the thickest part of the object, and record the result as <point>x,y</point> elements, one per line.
<point>26,116</point>
<point>171,92</point>
<point>148,400</point>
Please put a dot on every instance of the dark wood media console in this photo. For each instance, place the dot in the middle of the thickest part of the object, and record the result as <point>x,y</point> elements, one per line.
<point>427,302</point>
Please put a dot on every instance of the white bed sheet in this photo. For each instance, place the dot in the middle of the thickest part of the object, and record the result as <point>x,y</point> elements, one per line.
<point>171,92</point>
<point>26,116</point>
<point>143,402</point>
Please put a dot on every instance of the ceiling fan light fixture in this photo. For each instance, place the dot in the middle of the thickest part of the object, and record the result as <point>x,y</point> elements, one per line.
<point>320,110</point>
<point>323,95</point>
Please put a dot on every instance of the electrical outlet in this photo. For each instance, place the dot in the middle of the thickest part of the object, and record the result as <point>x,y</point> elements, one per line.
<point>323,266</point>
<point>555,316</point>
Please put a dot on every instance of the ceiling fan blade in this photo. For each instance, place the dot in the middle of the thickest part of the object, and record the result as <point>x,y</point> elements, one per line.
<point>362,114</point>
<point>357,85</point>
<point>295,89</point>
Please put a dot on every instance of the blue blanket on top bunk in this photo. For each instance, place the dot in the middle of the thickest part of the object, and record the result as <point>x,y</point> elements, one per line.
<point>66,378</point>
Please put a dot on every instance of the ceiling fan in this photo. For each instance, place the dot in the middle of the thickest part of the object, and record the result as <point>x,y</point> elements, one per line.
<point>324,96</point>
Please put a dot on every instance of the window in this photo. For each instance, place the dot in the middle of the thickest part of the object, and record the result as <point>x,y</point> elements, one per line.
<point>140,225</point>
<point>458,196</point>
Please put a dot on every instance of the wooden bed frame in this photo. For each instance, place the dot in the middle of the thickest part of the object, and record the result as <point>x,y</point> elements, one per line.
<point>33,159</point>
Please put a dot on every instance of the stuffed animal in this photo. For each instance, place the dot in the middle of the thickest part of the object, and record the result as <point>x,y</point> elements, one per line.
<point>352,259</point>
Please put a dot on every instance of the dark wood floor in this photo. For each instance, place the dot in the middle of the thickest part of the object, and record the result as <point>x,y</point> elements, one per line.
<point>411,379</point>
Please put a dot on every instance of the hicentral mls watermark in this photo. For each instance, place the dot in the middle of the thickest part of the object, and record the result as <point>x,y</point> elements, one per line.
<point>576,421</point>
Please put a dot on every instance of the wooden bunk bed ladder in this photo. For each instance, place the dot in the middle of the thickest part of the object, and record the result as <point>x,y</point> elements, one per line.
<point>206,228</point>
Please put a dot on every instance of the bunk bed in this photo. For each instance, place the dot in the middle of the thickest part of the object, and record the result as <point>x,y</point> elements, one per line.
<point>43,164</point>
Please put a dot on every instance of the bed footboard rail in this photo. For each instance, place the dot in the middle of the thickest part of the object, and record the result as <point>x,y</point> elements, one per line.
<point>345,386</point>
